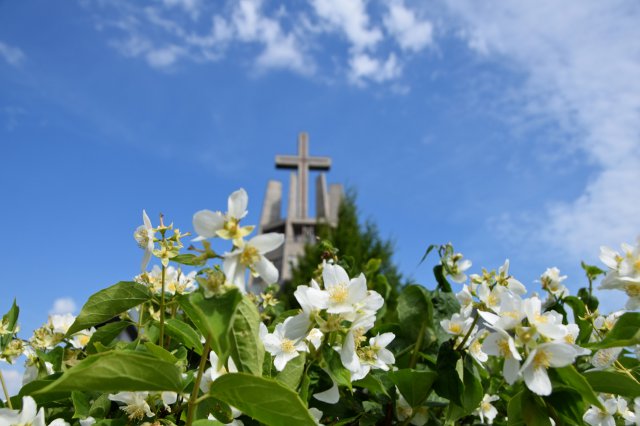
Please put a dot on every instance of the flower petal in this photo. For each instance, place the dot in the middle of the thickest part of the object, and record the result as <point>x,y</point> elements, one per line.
<point>237,204</point>
<point>267,242</point>
<point>333,275</point>
<point>267,270</point>
<point>206,223</point>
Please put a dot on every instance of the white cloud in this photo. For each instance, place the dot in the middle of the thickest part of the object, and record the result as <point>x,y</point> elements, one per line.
<point>13,55</point>
<point>410,32</point>
<point>351,18</point>
<point>192,7</point>
<point>280,50</point>
<point>63,305</point>
<point>365,67</point>
<point>13,380</point>
<point>164,57</point>
<point>582,62</point>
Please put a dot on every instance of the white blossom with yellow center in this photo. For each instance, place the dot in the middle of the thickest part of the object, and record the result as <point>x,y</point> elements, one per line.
<point>287,340</point>
<point>250,255</point>
<point>345,295</point>
<point>209,224</point>
<point>534,369</point>
<point>144,236</point>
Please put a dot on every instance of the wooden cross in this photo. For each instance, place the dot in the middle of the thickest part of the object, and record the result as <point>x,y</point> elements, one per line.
<point>303,163</point>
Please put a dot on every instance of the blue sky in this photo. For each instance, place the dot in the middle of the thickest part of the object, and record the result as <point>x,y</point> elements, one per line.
<point>510,129</point>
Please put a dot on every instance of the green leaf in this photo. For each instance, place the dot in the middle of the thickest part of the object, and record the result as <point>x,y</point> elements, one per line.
<point>534,410</point>
<point>414,385</point>
<point>9,320</point>
<point>334,367</point>
<point>292,373</point>
<point>116,371</point>
<point>33,389</point>
<point>188,259</point>
<point>443,284</point>
<point>625,332</point>
<point>473,391</point>
<point>100,407</point>
<point>265,400</point>
<point>108,303</point>
<point>579,315</point>
<point>213,316</point>
<point>577,382</point>
<point>426,253</point>
<point>514,410</point>
<point>81,404</point>
<point>592,271</point>
<point>220,410</point>
<point>414,310</point>
<point>160,352</point>
<point>184,333</point>
<point>613,382</point>
<point>247,349</point>
<point>372,384</point>
<point>448,384</point>
<point>106,334</point>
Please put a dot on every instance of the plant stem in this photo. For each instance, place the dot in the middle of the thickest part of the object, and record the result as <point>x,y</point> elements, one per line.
<point>161,340</point>
<point>193,399</point>
<point>6,391</point>
<point>466,337</point>
<point>418,346</point>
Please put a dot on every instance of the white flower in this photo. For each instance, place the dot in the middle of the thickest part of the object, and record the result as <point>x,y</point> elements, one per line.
<point>598,417</point>
<point>458,325</point>
<point>344,293</point>
<point>534,369</point>
<point>455,267</point>
<point>363,359</point>
<point>552,282</point>
<point>604,358</point>
<point>60,323</point>
<point>311,299</point>
<point>144,235</point>
<point>216,370</point>
<point>549,324</point>
<point>487,410</point>
<point>208,224</point>
<point>80,339</point>
<point>329,396</point>
<point>88,421</point>
<point>624,273</point>
<point>501,344</point>
<point>251,255</point>
<point>315,337</point>
<point>286,342</point>
<point>316,414</point>
<point>504,279</point>
<point>29,415</point>
<point>135,406</point>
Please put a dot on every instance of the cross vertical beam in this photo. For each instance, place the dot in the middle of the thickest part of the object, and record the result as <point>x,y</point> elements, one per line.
<point>302,163</point>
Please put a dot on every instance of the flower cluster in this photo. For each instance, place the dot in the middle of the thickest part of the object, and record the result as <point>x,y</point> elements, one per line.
<point>515,329</point>
<point>624,272</point>
<point>339,314</point>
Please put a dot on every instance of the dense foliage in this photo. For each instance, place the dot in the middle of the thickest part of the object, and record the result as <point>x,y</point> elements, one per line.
<point>477,349</point>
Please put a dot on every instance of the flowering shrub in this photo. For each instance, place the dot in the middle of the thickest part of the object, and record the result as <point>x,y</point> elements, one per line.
<point>186,343</point>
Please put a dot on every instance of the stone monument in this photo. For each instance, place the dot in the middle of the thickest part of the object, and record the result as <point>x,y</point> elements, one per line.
<point>298,227</point>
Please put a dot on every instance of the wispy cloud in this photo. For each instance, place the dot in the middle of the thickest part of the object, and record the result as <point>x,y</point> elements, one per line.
<point>375,47</point>
<point>63,305</point>
<point>13,55</point>
<point>582,68</point>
